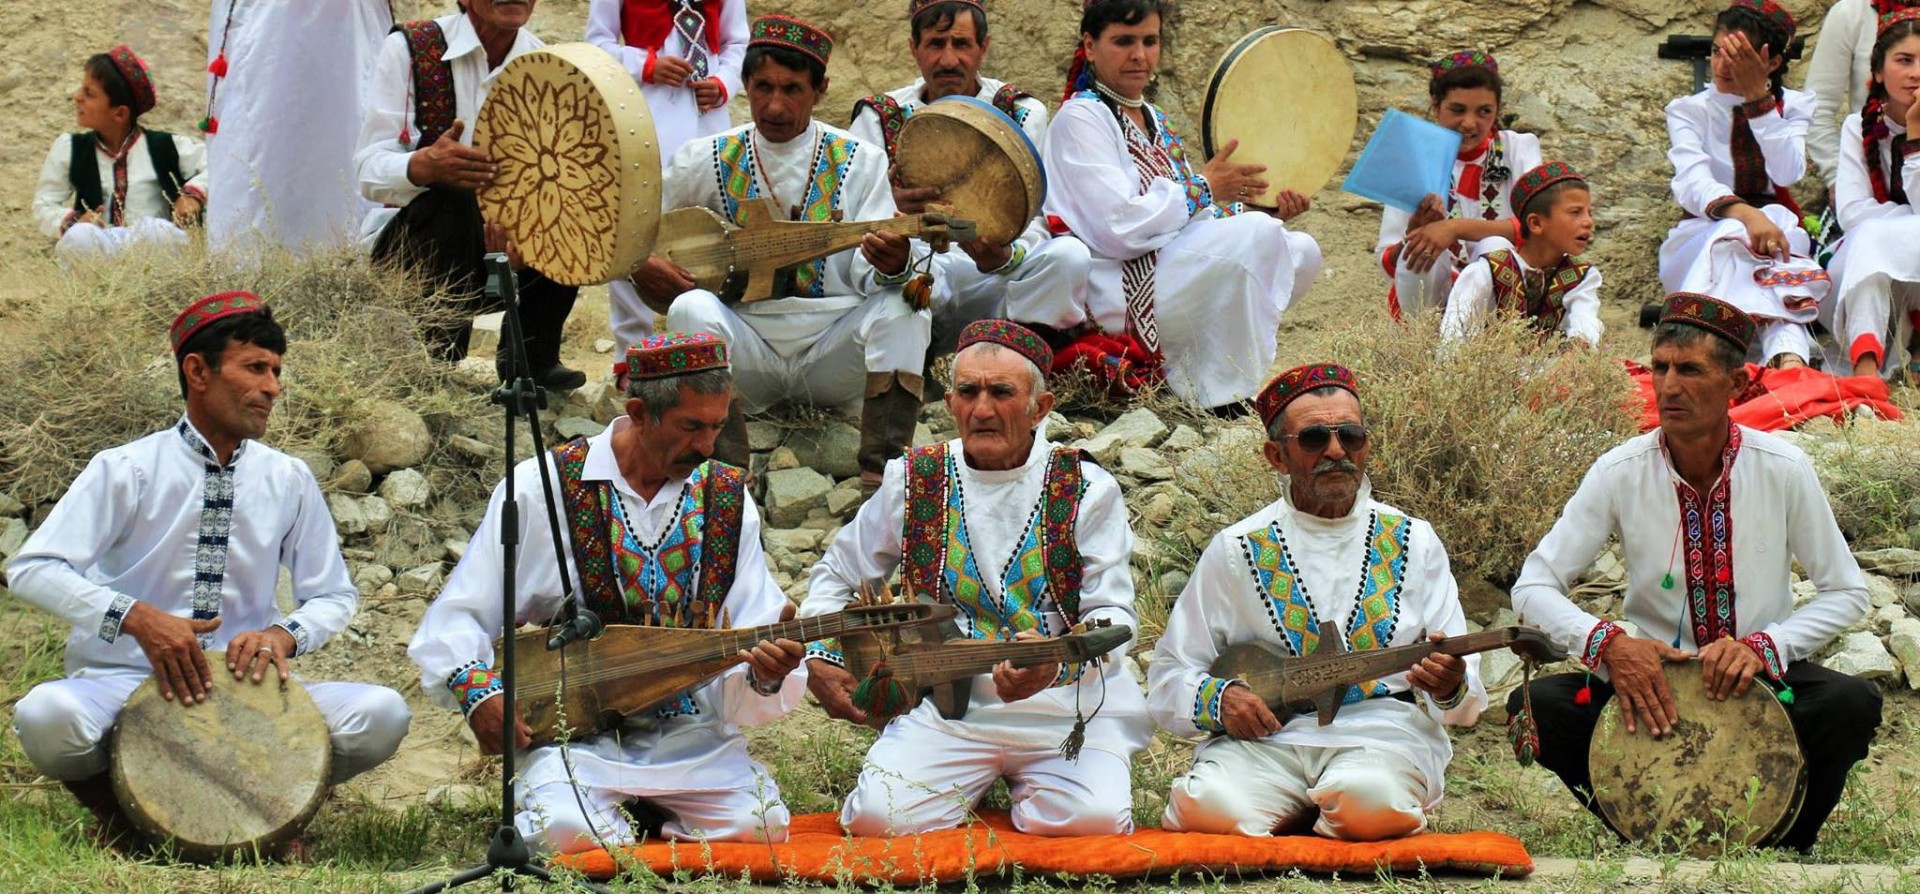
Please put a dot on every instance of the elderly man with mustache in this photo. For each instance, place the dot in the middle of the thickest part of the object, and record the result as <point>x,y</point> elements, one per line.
<point>1326,551</point>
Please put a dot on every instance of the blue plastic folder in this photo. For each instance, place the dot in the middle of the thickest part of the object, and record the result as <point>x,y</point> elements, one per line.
<point>1407,160</point>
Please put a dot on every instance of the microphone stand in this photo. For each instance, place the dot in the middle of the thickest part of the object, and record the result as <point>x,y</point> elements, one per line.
<point>507,852</point>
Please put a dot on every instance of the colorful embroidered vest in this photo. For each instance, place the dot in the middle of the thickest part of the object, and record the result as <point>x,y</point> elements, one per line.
<point>736,170</point>
<point>893,116</point>
<point>680,581</point>
<point>1376,608</point>
<point>1545,302</point>
<point>938,558</point>
<point>433,99</point>
<point>83,171</point>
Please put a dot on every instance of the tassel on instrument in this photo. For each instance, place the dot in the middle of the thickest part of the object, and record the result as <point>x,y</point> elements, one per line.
<point>1785,695</point>
<point>880,695</point>
<point>1522,730</point>
<point>919,292</point>
<point>1070,749</point>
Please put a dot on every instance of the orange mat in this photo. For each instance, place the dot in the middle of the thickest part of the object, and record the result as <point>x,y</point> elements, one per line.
<point>817,851</point>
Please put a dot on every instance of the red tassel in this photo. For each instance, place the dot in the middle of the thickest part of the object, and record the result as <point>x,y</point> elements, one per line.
<point>218,68</point>
<point>1584,696</point>
<point>406,136</point>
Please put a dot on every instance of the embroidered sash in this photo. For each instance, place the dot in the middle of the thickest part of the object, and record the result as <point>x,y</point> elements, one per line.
<point>1707,527</point>
<point>1542,296</point>
<point>734,171</point>
<point>433,99</point>
<point>1376,608</point>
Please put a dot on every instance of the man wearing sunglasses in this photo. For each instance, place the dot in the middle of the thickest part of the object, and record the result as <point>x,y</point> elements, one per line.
<point>1326,551</point>
<point>1704,510</point>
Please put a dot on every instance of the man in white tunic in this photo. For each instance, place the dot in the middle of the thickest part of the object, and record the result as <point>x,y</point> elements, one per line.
<point>983,280</point>
<point>685,55</point>
<point>173,545</point>
<point>1025,538</point>
<point>1326,551</point>
<point>1711,518</point>
<point>654,533</point>
<point>838,332</point>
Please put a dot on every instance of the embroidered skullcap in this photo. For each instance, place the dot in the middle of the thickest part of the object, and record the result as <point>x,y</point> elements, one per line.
<point>675,354</point>
<point>916,7</point>
<point>1463,59</point>
<point>1711,314</point>
<point>1896,16</point>
<point>1288,386</point>
<point>1010,335</point>
<point>209,309</point>
<point>1771,11</point>
<point>133,70</point>
<point>794,34</point>
<point>1531,184</point>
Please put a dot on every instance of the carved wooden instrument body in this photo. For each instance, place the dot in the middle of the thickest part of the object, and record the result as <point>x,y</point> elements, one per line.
<point>943,671</point>
<point>632,668</point>
<point>1317,681</point>
<point>748,262</point>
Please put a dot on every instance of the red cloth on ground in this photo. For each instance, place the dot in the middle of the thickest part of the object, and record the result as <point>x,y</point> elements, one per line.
<point>1784,398</point>
<point>1115,360</point>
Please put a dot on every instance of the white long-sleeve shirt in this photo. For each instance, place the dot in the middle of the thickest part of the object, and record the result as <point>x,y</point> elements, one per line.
<point>53,194</point>
<point>1854,202</point>
<point>1837,77</point>
<point>129,529</point>
<point>1225,603</point>
<point>1700,139</point>
<point>1095,187</point>
<point>1472,301</point>
<point>1779,515</point>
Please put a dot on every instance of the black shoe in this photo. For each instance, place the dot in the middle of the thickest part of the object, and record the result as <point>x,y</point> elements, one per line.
<point>560,378</point>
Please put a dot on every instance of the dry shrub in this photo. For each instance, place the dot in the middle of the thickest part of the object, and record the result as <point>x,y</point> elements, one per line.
<point>86,357</point>
<point>1872,475</point>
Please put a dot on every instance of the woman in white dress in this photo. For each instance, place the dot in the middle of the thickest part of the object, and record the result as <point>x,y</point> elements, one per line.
<point>1876,266</point>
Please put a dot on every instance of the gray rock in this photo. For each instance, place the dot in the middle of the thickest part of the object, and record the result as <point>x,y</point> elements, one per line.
<point>763,436</point>
<point>1144,464</point>
<point>420,580</point>
<point>10,507</point>
<point>1904,642</point>
<point>348,517</point>
<point>1173,583</point>
<point>796,539</point>
<point>353,477</point>
<point>922,435</point>
<point>577,427</point>
<point>456,548</point>
<point>1861,654</point>
<point>318,462</point>
<point>476,372</point>
<point>782,458</point>
<point>1893,562</point>
<point>603,346</point>
<point>386,436</point>
<point>1881,592</point>
<point>1803,592</point>
<point>1159,509</point>
<point>1501,672</point>
<point>832,449</point>
<point>792,493</point>
<point>406,490</point>
<point>411,541</point>
<point>1183,439</point>
<point>368,579</point>
<point>378,512</point>
<point>13,535</point>
<point>486,334</point>
<point>474,448</point>
<point>1135,428</point>
<point>1607,567</point>
<point>843,503</point>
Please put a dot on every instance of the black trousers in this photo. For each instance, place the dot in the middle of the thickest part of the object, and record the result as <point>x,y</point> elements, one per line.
<point>440,234</point>
<point>1834,716</point>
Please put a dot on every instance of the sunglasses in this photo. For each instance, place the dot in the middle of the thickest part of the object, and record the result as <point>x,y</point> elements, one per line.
<point>1316,438</point>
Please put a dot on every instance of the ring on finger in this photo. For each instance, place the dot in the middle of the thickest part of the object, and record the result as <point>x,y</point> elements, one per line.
<point>264,650</point>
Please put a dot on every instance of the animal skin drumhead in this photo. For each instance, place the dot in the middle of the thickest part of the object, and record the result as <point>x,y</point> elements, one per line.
<point>981,161</point>
<point>1287,95</point>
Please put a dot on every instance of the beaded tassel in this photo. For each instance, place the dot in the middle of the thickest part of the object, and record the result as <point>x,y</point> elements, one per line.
<point>881,694</point>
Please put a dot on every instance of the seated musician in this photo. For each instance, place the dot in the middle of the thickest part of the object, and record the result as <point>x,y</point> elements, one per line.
<point>839,332</point>
<point>1421,253</point>
<point>1025,538</point>
<point>640,498</point>
<point>173,545</point>
<point>1326,551</point>
<point>1540,280</point>
<point>417,159</point>
<point>983,280</point>
<point>116,183</point>
<point>1711,517</point>
<point>1179,268</point>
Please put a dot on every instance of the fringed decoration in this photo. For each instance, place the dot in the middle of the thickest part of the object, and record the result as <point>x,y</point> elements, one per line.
<point>881,695</point>
<point>919,292</point>
<point>1522,730</point>
<point>1785,695</point>
<point>209,125</point>
<point>218,67</point>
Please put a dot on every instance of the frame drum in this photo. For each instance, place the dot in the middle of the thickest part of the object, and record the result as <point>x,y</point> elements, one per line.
<point>578,181</point>
<point>1303,140</point>
<point>242,772</point>
<point>986,169</point>
<point>1734,768</point>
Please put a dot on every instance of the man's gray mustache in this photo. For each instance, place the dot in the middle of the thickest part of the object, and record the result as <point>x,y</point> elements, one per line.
<point>1333,465</point>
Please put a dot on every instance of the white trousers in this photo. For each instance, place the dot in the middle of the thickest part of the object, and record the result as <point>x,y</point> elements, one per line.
<point>87,241</point>
<point>784,351</point>
<point>1878,277</point>
<point>557,817</point>
<point>629,317</point>
<point>63,724</point>
<point>1049,288</point>
<point>919,779</point>
<point>1259,788</point>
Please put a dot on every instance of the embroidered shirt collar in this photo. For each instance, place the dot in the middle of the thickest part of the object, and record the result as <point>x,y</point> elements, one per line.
<point>603,465</point>
<point>463,39</point>
<point>202,449</point>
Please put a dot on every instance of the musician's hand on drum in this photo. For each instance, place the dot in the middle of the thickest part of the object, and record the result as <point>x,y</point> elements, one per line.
<point>708,94</point>
<point>486,720</point>
<point>448,162</point>
<point>1438,675</point>
<point>173,648</point>
<point>1728,667</point>
<point>1633,666</point>
<point>1230,181</point>
<point>1291,204</point>
<point>1245,715</point>
<point>914,201</point>
<point>1015,683</point>
<point>256,650</point>
<point>1424,247</point>
<point>887,252</point>
<point>772,660</point>
<point>660,280</point>
<point>671,71</point>
<point>832,686</point>
<point>1431,209</point>
<point>987,256</point>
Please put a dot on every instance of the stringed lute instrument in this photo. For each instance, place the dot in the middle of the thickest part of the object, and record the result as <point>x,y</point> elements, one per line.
<point>1318,680</point>
<point>632,668</point>
<point>943,671</point>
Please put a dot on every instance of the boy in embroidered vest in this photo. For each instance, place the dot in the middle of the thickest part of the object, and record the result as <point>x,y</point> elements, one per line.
<point>843,336</point>
<point>685,55</point>
<point>115,183</point>
<point>657,534</point>
<point>1026,538</point>
<point>1539,280</point>
<point>417,159</point>
<point>173,545</point>
<point>1020,280</point>
<point>1711,518</point>
<point>1326,551</point>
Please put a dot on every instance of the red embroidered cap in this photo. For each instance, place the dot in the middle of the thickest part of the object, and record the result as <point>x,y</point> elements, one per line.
<point>133,70</point>
<point>208,309</point>
<point>794,34</point>
<point>1771,11</point>
<point>1711,314</point>
<point>675,354</point>
<point>1531,184</point>
<point>1010,335</point>
<point>1288,386</point>
<point>1895,17</point>
<point>1463,59</point>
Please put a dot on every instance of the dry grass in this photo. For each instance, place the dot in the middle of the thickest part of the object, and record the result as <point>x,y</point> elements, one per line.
<point>1872,474</point>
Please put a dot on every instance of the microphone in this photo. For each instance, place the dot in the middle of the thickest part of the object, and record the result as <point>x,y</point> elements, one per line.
<point>584,625</point>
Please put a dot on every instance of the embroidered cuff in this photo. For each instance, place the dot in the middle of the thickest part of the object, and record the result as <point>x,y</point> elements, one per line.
<point>1071,672</point>
<point>1206,704</point>
<point>1904,148</point>
<point>115,616</point>
<point>764,687</point>
<point>302,638</point>
<point>1601,636</point>
<point>1013,263</point>
<point>472,684</point>
<point>1762,645</point>
<point>827,650</point>
<point>893,279</point>
<point>1452,701</point>
<point>1717,208</point>
<point>1755,108</point>
<point>721,86</point>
